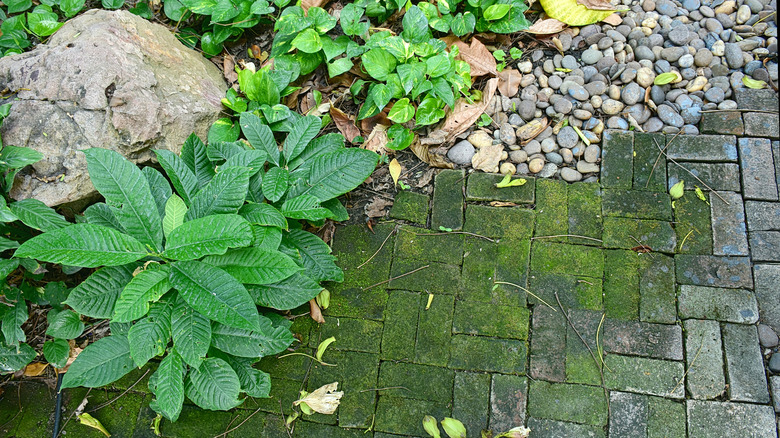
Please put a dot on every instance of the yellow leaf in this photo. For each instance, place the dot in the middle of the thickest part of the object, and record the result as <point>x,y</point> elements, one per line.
<point>323,345</point>
<point>677,190</point>
<point>573,14</point>
<point>701,196</point>
<point>89,420</point>
<point>323,299</point>
<point>35,369</point>
<point>430,301</point>
<point>395,170</point>
<point>665,78</point>
<point>507,182</point>
<point>753,83</point>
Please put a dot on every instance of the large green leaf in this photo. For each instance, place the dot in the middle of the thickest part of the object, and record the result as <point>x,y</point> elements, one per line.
<point>95,296</point>
<point>315,256</point>
<point>263,214</point>
<point>191,333</point>
<point>287,294</point>
<point>208,235</point>
<point>122,183</point>
<point>379,63</point>
<point>56,352</point>
<point>14,358</point>
<point>13,319</point>
<point>168,386</point>
<point>104,215</point>
<point>175,209</point>
<point>319,146</point>
<point>305,207</point>
<point>415,26</point>
<point>214,386</point>
<point>254,383</point>
<point>8,265</point>
<point>149,336</point>
<point>147,286</point>
<point>267,237</point>
<point>6,215</point>
<point>225,194</point>
<point>275,183</point>
<point>259,136</point>
<point>161,189</point>
<point>65,324</point>
<point>214,293</point>
<point>193,153</point>
<point>255,265</point>
<point>101,363</point>
<point>254,159</point>
<point>36,214</point>
<point>255,344</point>
<point>84,245</point>
<point>181,176</point>
<point>338,172</point>
<point>303,131</point>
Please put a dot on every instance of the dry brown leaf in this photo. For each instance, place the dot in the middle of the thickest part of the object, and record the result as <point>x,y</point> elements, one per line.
<point>530,130</point>
<point>306,4</point>
<point>377,140</point>
<point>35,369</point>
<point>229,69</point>
<point>315,312</point>
<point>463,116</point>
<point>376,208</point>
<point>437,136</point>
<point>324,400</point>
<point>344,123</point>
<point>74,353</point>
<point>435,157</point>
<point>478,57</point>
<point>547,27</point>
<point>614,20</point>
<point>308,102</point>
<point>367,125</point>
<point>426,178</point>
<point>597,5</point>
<point>502,204</point>
<point>509,82</point>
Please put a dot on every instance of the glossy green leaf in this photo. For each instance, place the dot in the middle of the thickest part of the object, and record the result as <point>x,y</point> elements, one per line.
<point>214,386</point>
<point>443,90</point>
<point>509,182</point>
<point>263,214</point>
<point>36,214</point>
<point>191,333</point>
<point>350,20</point>
<point>254,382</point>
<point>103,215</point>
<point>149,337</point>
<point>315,256</point>
<point>415,26</point>
<point>224,129</point>
<point>304,207</point>
<point>71,7</point>
<point>146,286</point>
<point>160,187</point>
<point>255,265</point>
<point>181,176</point>
<point>193,153</point>
<point>42,21</point>
<point>308,41</point>
<point>260,136</point>
<point>496,11</point>
<point>95,297</point>
<point>66,325</point>
<point>429,111</point>
<point>339,66</point>
<point>13,319</point>
<point>338,172</point>
<point>302,132</point>
<point>14,358</point>
<point>175,209</point>
<point>402,111</point>
<point>269,340</point>
<point>56,352</point>
<point>168,387</point>
<point>259,87</point>
<point>319,146</point>
<point>400,137</point>
<point>225,194</point>
<point>379,63</point>
<point>381,95</point>
<point>267,237</point>
<point>286,294</point>
<point>102,362</point>
<point>438,65</point>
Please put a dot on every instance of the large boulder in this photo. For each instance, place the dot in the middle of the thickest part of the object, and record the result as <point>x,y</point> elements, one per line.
<point>106,79</point>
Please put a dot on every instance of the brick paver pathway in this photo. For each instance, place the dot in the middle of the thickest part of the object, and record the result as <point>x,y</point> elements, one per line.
<point>582,310</point>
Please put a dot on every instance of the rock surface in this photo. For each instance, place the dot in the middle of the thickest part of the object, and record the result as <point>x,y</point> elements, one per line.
<point>106,79</point>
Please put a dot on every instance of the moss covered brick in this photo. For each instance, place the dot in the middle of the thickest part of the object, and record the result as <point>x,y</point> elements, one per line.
<point>404,416</point>
<point>448,200</point>
<point>400,328</point>
<point>482,187</point>
<point>353,334</point>
<point>637,204</point>
<point>629,233</point>
<point>438,278</point>
<point>693,225</point>
<point>475,318</point>
<point>621,284</point>
<point>421,382</point>
<point>566,259</point>
<point>434,330</point>
<point>498,222</point>
<point>477,353</point>
<point>471,400</point>
<point>552,212</point>
<point>410,206</point>
<point>574,292</point>
<point>585,213</point>
<point>421,244</point>
<point>617,159</point>
<point>649,170</point>
<point>564,402</point>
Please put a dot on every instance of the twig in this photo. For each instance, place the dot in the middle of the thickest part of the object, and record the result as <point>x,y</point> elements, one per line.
<point>457,232</point>
<point>284,420</point>
<point>684,239</point>
<point>689,367</point>
<point>692,174</point>
<point>239,424</point>
<point>598,344</point>
<point>307,355</point>
<point>382,389</point>
<point>104,404</point>
<point>567,235</point>
<point>526,291</point>
<point>380,247</point>
<point>658,158</point>
<point>396,278</point>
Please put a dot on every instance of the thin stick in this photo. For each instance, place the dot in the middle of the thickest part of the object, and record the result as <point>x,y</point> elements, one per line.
<point>598,345</point>
<point>658,158</point>
<point>457,232</point>
<point>103,405</point>
<point>684,239</point>
<point>239,424</point>
<point>396,278</point>
<point>309,356</point>
<point>526,291</point>
<point>382,389</point>
<point>71,414</point>
<point>689,368</point>
<point>380,247</point>
<point>567,235</point>
<point>692,174</point>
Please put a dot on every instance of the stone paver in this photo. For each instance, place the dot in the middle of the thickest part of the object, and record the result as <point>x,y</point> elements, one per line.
<point>704,359</point>
<point>758,179</point>
<point>709,419</point>
<point>744,364</point>
<point>729,233</point>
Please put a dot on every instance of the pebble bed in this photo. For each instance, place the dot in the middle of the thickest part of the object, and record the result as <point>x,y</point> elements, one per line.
<point>712,44</point>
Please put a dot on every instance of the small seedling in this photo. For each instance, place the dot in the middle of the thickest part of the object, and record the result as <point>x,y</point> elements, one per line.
<point>484,120</point>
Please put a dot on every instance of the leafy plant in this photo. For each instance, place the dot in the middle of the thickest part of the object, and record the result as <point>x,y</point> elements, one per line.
<point>182,269</point>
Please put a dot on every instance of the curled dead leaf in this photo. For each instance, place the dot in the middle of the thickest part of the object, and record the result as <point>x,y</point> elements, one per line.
<point>614,20</point>
<point>547,27</point>
<point>502,204</point>
<point>306,4</point>
<point>315,312</point>
<point>509,82</point>
<point>325,400</point>
<point>464,114</point>
<point>434,156</point>
<point>478,57</point>
<point>377,140</point>
<point>530,130</point>
<point>90,421</point>
<point>344,123</point>
<point>229,69</point>
<point>376,208</point>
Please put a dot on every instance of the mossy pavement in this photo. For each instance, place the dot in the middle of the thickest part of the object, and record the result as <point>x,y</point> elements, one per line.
<point>591,309</point>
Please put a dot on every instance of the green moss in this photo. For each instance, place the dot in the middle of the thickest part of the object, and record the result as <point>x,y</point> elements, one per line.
<point>434,330</point>
<point>448,200</point>
<point>512,267</point>
<point>629,233</point>
<point>580,368</point>
<point>637,204</point>
<point>479,270</point>
<point>353,245</point>
<point>358,303</point>
<point>351,334</point>
<point>617,161</point>
<point>37,403</point>
<point>482,187</point>
<point>693,225</point>
<point>400,331</point>
<point>666,419</point>
<point>476,353</point>
<point>649,171</point>
<point>421,244</point>
<point>621,284</point>
<point>416,381</point>
<point>404,416</point>
<point>511,222</point>
<point>410,206</point>
<point>585,213</point>
<point>119,417</point>
<point>193,421</point>
<point>438,278</point>
<point>644,376</point>
<point>552,212</point>
<point>564,402</point>
<point>566,259</point>
<point>471,400</point>
<point>656,286</point>
<point>475,318</point>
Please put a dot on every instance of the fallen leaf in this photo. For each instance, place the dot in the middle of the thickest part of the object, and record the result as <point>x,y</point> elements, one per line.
<point>597,5</point>
<point>753,83</point>
<point>502,204</point>
<point>344,123</point>
<point>530,130</point>
<point>547,27</point>
<point>478,57</point>
<point>324,400</point>
<point>508,182</point>
<point>377,140</point>
<point>515,432</point>
<point>74,353</point>
<point>437,136</point>
<point>308,102</point>
<point>320,110</point>
<point>487,158</point>
<point>229,69</point>
<point>425,179</point>
<point>435,157</point>
<point>35,369</point>
<point>509,82</point>
<point>315,312</point>
<point>90,421</point>
<point>324,346</point>
<point>464,114</point>
<point>572,13</point>
<point>614,20</point>
<point>700,195</point>
<point>395,170</point>
<point>377,207</point>
<point>677,190</point>
<point>642,249</point>
<point>323,299</point>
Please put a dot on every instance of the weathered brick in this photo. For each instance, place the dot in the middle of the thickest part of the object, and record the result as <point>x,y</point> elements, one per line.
<point>764,100</point>
<point>776,153</point>
<point>37,402</point>
<point>353,334</point>
<point>358,303</point>
<point>759,125</point>
<point>354,244</point>
<point>637,204</point>
<point>768,293</point>
<point>512,258</point>
<point>404,416</point>
<point>448,200</point>
<point>565,402</point>
<point>744,364</point>
<point>552,212</point>
<point>544,428</point>
<point>471,401</point>
<point>508,400</point>
<point>621,284</point>
<point>729,122</point>
<point>416,381</point>
<point>709,148</point>
<point>580,366</point>
<point>628,415</point>
<point>728,305</point>
<point>763,216</point>
<point>438,278</point>
<point>475,318</point>
<point>617,159</point>
<point>400,330</point>
<point>479,270</point>
<point>411,206</point>
<point>477,353</point>
<point>764,245</point>
<point>307,428</point>
<point>566,259</point>
<point>693,225</point>
<point>758,178</point>
<point>585,212</point>
<point>666,418</point>
<point>421,244</point>
<point>774,385</point>
<point>283,391</point>
<point>649,170</point>
<point>575,292</point>
<point>288,367</point>
<point>658,296</point>
<point>482,187</point>
<point>486,262</point>
<point>702,270</point>
<point>549,339</point>
<point>193,421</point>
<point>704,359</point>
<point>513,222</point>
<point>729,232</point>
<point>719,176</point>
<point>433,330</point>
<point>629,233</point>
<point>707,419</point>
<point>645,376</point>
<point>659,341</point>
